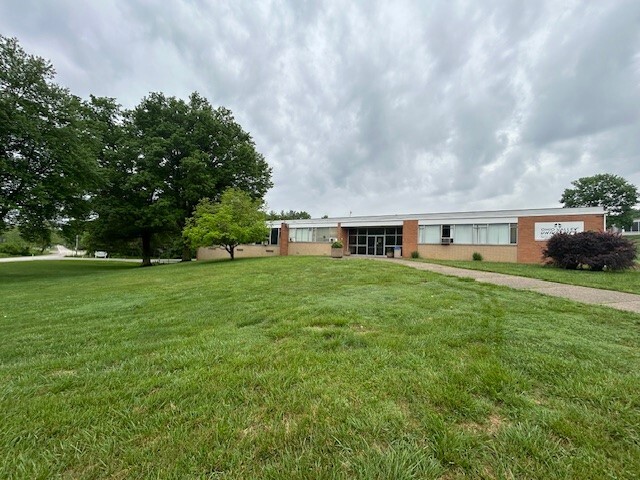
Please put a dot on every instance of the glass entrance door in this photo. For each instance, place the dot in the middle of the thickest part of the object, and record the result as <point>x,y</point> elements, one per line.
<point>374,240</point>
<point>375,245</point>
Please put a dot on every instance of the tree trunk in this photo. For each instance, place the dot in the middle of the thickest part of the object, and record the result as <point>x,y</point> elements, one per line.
<point>146,249</point>
<point>232,251</point>
<point>186,252</point>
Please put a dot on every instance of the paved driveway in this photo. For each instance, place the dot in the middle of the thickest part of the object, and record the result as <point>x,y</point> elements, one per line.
<point>62,251</point>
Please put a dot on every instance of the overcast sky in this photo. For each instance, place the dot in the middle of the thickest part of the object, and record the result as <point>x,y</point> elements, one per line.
<point>376,107</point>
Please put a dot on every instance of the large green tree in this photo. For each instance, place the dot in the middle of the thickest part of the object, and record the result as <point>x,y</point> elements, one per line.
<point>614,193</point>
<point>234,220</point>
<point>47,146</point>
<point>170,155</point>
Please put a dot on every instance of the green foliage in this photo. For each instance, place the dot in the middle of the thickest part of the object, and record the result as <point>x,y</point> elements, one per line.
<point>290,215</point>
<point>396,374</point>
<point>235,220</point>
<point>337,244</point>
<point>415,254</point>
<point>169,155</point>
<point>48,147</point>
<point>477,257</point>
<point>590,250</point>
<point>13,242</point>
<point>612,192</point>
<point>17,249</point>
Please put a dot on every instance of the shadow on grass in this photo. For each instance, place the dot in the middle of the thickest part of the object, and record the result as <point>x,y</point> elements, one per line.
<point>43,269</point>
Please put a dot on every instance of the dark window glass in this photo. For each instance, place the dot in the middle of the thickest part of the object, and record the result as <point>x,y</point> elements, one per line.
<point>391,240</point>
<point>275,233</point>
<point>352,249</point>
<point>352,239</point>
<point>446,231</point>
<point>362,240</point>
<point>376,231</point>
<point>513,233</point>
<point>362,250</point>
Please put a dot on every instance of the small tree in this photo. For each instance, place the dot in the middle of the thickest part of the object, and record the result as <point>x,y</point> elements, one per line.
<point>235,220</point>
<point>593,250</point>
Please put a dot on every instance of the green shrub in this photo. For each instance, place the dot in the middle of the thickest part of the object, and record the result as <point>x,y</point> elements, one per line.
<point>336,244</point>
<point>15,249</point>
<point>415,254</point>
<point>590,250</point>
<point>477,257</point>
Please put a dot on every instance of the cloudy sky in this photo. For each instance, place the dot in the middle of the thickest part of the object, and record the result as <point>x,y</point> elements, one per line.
<point>376,107</point>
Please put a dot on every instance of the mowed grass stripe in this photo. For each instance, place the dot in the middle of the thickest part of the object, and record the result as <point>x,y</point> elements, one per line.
<point>307,368</point>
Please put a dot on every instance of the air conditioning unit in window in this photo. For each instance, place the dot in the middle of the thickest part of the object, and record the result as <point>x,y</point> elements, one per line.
<point>446,241</point>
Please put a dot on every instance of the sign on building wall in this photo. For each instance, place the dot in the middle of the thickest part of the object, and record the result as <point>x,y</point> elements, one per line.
<point>546,230</point>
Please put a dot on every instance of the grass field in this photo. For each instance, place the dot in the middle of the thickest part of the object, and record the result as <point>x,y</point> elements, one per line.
<point>624,281</point>
<point>307,368</point>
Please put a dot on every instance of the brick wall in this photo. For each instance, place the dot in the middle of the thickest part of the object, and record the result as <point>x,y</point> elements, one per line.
<point>490,253</point>
<point>530,250</point>
<point>343,236</point>
<point>241,251</point>
<point>310,248</point>
<point>284,239</point>
<point>409,237</point>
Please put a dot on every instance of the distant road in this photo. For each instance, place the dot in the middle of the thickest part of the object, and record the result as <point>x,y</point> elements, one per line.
<point>62,251</point>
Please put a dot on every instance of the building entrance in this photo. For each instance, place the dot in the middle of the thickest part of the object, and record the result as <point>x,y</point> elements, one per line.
<point>374,241</point>
<point>376,245</point>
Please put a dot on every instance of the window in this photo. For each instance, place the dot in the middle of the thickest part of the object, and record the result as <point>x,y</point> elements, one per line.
<point>274,236</point>
<point>301,234</point>
<point>429,234</point>
<point>513,233</point>
<point>463,234</point>
<point>498,234</point>
<point>313,234</point>
<point>480,234</point>
<point>635,227</point>
<point>471,234</point>
<point>324,234</point>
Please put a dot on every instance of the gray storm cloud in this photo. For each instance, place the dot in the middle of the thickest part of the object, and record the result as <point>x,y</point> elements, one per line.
<point>377,107</point>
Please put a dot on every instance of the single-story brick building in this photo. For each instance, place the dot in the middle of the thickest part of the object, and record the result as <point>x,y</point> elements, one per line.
<point>500,236</point>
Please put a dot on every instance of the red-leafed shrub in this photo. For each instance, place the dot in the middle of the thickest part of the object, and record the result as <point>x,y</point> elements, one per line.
<point>590,250</point>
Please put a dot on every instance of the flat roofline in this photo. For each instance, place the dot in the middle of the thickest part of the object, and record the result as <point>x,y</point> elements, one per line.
<point>379,219</point>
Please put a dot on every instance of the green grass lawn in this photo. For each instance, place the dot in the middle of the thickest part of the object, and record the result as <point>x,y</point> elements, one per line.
<point>624,281</point>
<point>307,368</point>
<point>635,239</point>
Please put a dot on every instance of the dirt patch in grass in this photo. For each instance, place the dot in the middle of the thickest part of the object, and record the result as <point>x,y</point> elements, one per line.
<point>493,424</point>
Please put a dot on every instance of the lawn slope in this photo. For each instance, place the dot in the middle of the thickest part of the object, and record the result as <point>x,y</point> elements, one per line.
<point>307,368</point>
<point>622,281</point>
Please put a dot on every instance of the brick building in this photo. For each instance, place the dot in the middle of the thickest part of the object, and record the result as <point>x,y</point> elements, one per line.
<point>499,236</point>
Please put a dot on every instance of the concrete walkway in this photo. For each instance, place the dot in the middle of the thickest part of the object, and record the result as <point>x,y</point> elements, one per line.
<point>618,300</point>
